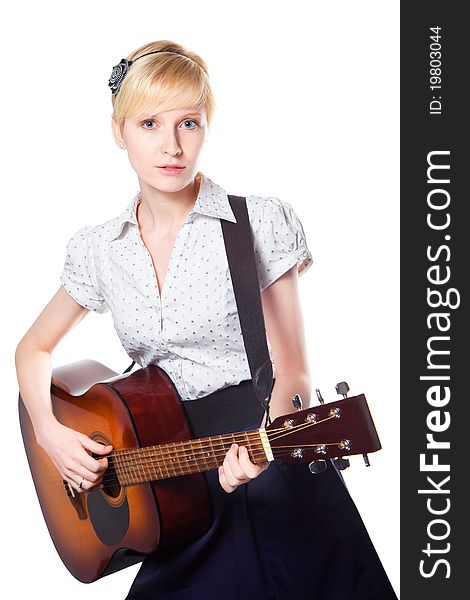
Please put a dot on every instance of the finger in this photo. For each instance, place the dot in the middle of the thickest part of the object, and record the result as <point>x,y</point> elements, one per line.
<point>92,464</point>
<point>232,465</point>
<point>78,473</point>
<point>95,447</point>
<point>250,469</point>
<point>84,485</point>
<point>88,462</point>
<point>223,481</point>
<point>233,473</point>
<point>237,477</point>
<point>88,486</point>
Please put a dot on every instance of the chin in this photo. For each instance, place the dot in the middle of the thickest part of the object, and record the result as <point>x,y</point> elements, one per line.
<point>170,184</point>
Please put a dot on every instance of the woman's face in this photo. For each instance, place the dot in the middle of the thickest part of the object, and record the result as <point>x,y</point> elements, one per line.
<point>173,137</point>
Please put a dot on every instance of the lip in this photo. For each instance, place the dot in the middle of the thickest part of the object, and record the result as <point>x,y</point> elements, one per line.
<point>171,169</point>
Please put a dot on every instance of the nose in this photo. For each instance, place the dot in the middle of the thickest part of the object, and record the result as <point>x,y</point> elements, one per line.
<point>171,144</point>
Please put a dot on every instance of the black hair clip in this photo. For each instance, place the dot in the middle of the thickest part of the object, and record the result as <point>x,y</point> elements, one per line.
<point>117,75</point>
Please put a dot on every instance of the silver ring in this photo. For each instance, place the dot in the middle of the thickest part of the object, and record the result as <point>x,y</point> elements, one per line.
<point>81,482</point>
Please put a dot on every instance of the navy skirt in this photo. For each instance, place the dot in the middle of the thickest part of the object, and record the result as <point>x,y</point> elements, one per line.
<point>286,535</point>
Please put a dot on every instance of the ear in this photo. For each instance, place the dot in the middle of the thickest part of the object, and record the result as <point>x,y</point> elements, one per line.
<point>118,137</point>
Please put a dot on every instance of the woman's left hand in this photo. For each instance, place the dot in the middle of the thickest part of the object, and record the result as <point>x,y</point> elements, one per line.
<point>237,468</point>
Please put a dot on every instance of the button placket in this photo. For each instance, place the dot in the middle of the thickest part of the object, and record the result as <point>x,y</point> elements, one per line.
<point>158,303</point>
<point>169,277</point>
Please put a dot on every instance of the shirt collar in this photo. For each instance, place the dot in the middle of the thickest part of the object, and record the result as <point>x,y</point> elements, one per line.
<point>212,201</point>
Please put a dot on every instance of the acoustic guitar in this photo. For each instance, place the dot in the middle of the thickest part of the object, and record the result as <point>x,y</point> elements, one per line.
<point>154,493</point>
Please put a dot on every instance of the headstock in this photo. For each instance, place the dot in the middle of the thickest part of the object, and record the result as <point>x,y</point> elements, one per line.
<point>330,430</point>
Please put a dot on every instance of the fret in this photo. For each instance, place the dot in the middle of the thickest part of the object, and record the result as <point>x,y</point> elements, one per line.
<point>173,458</point>
<point>224,443</point>
<point>139,467</point>
<point>154,463</point>
<point>125,470</point>
<point>118,469</point>
<point>247,444</point>
<point>213,451</point>
<point>190,457</point>
<point>164,462</point>
<point>130,465</point>
<point>194,464</point>
<point>203,465</point>
<point>150,470</point>
<point>183,458</point>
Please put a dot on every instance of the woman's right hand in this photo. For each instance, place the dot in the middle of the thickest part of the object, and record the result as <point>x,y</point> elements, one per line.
<point>68,450</point>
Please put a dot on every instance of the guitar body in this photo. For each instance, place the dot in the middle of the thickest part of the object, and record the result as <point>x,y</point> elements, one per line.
<point>98,533</point>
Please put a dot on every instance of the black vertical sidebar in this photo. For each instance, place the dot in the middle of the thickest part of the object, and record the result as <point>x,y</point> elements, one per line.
<point>435,268</point>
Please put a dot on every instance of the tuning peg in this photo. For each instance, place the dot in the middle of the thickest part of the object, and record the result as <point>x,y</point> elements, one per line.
<point>319,396</point>
<point>297,401</point>
<point>366,460</point>
<point>341,463</point>
<point>342,388</point>
<point>317,466</point>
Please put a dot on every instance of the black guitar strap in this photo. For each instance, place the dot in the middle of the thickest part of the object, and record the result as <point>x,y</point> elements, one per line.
<point>241,260</point>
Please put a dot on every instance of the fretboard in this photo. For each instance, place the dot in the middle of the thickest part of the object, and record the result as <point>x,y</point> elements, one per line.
<point>139,465</point>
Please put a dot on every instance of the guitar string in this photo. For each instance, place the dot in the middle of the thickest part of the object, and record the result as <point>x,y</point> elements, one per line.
<point>173,450</point>
<point>255,432</point>
<point>179,451</point>
<point>157,477</point>
<point>172,454</point>
<point>180,469</point>
<point>188,468</point>
<point>180,448</point>
<point>270,432</point>
<point>129,453</point>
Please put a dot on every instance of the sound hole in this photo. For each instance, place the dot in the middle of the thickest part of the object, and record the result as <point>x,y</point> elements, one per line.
<point>111,485</point>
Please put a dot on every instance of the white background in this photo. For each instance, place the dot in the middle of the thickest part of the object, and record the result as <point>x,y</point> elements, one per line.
<point>307,96</point>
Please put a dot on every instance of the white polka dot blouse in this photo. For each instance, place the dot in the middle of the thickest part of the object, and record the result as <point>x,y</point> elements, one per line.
<point>192,330</point>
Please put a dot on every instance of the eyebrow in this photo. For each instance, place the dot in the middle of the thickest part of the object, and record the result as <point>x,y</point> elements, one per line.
<point>192,114</point>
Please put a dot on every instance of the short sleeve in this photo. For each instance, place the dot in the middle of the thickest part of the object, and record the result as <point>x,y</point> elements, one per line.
<point>79,275</point>
<point>279,239</point>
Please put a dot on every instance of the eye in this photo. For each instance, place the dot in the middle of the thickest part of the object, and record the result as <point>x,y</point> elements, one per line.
<point>151,123</point>
<point>144,123</point>
<point>190,121</point>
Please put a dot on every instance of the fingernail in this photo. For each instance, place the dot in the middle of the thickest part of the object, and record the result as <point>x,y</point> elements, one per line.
<point>242,449</point>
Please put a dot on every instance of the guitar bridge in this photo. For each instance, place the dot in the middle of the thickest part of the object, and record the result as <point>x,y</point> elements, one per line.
<point>76,500</point>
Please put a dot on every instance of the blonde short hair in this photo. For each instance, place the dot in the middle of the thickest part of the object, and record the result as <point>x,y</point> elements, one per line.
<point>173,78</point>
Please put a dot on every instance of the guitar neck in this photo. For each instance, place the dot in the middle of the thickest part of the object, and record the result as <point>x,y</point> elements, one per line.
<point>342,428</point>
<point>152,463</point>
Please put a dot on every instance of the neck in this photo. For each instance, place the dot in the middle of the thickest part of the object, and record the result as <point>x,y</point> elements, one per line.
<point>159,210</point>
<point>138,465</point>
